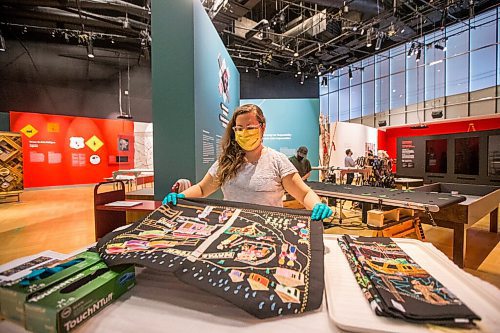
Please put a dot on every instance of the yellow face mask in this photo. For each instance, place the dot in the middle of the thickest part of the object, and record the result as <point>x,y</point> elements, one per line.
<point>248,139</point>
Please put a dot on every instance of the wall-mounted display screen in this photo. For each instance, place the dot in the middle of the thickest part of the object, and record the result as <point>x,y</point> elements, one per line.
<point>467,156</point>
<point>494,155</point>
<point>435,156</point>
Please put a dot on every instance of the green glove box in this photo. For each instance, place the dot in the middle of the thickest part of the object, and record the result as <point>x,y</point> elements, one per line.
<point>13,295</point>
<point>66,305</point>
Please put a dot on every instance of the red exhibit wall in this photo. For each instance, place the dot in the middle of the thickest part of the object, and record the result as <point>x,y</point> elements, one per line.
<point>64,150</point>
<point>389,140</point>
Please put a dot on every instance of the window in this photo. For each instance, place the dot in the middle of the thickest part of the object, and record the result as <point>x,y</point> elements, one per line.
<point>333,82</point>
<point>434,67</point>
<point>483,51</point>
<point>368,72</point>
<point>356,73</point>
<point>382,64</point>
<point>344,78</point>
<point>457,62</point>
<point>414,79</point>
<point>397,91</point>
<point>344,104</point>
<point>484,33</point>
<point>482,68</point>
<point>355,102</point>
<point>333,101</point>
<point>368,92</point>
<point>397,60</point>
<point>323,105</point>
<point>382,95</point>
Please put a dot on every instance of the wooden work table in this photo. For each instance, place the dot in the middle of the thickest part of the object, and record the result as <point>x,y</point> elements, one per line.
<point>108,218</point>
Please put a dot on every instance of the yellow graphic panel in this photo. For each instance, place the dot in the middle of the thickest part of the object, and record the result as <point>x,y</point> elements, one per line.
<point>29,130</point>
<point>53,127</point>
<point>94,143</point>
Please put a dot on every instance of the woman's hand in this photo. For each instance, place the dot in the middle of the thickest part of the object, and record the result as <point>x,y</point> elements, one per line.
<point>172,198</point>
<point>320,211</point>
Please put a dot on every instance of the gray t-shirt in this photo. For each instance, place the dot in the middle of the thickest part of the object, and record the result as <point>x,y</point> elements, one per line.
<point>259,182</point>
<point>349,162</point>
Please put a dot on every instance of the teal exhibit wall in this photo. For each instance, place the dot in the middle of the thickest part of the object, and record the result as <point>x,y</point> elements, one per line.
<point>187,64</point>
<point>291,123</point>
<point>217,90</point>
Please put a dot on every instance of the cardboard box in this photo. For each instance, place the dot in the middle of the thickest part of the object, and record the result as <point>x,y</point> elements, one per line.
<point>69,303</point>
<point>13,295</point>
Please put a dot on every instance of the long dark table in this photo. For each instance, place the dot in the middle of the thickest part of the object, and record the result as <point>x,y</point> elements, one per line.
<point>423,200</point>
<point>432,202</point>
<point>481,201</point>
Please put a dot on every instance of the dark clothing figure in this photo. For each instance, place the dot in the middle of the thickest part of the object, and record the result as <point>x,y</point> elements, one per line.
<point>303,166</point>
<point>301,163</point>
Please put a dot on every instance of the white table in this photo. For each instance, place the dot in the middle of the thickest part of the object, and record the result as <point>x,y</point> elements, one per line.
<point>408,181</point>
<point>161,303</point>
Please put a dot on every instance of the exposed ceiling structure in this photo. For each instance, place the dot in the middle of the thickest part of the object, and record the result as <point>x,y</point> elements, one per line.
<point>307,37</point>
<point>97,24</point>
<point>310,37</point>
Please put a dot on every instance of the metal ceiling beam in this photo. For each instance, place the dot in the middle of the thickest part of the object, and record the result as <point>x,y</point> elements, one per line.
<point>115,5</point>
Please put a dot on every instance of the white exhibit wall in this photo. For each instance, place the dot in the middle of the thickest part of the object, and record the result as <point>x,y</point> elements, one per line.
<point>357,137</point>
<point>143,145</point>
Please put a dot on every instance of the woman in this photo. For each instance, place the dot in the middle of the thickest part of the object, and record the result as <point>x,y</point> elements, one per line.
<point>246,171</point>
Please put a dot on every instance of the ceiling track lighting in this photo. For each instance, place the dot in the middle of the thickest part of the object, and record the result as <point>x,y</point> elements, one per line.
<point>419,53</point>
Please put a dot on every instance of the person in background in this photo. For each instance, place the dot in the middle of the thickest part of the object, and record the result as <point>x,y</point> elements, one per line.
<point>369,158</point>
<point>301,163</point>
<point>349,163</point>
<point>247,171</point>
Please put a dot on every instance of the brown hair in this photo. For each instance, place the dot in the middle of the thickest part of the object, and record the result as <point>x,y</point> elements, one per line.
<point>232,155</point>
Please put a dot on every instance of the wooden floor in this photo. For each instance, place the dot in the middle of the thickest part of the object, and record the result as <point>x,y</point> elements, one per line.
<point>62,220</point>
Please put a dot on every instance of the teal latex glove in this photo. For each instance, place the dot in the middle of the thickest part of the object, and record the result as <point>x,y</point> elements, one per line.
<point>172,198</point>
<point>320,211</point>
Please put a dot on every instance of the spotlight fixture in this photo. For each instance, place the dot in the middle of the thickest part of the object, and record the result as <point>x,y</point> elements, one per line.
<point>392,30</point>
<point>90,48</point>
<point>369,38</point>
<point>299,71</point>
<point>302,79</point>
<point>378,44</point>
<point>419,53</point>
<point>246,69</point>
<point>410,51</point>
<point>439,46</point>
<point>437,114</point>
<point>3,46</point>
<point>350,73</point>
<point>382,123</point>
<point>324,81</point>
